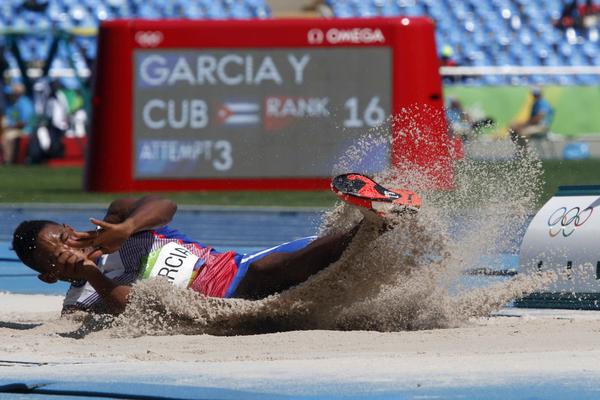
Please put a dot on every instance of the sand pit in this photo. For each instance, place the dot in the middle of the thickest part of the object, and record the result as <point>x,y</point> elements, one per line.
<point>513,346</point>
<point>392,314</point>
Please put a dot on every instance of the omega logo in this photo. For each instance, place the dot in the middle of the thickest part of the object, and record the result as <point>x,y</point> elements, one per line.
<point>346,35</point>
<point>315,36</point>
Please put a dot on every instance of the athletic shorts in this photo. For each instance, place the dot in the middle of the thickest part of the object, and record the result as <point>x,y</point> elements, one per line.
<point>243,261</point>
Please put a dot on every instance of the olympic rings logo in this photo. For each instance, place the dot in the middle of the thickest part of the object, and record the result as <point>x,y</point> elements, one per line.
<point>149,38</point>
<point>566,221</point>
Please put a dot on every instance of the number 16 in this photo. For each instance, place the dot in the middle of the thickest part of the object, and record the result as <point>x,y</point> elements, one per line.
<point>373,115</point>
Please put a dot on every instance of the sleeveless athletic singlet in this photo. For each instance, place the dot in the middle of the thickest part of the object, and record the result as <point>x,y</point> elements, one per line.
<point>161,252</point>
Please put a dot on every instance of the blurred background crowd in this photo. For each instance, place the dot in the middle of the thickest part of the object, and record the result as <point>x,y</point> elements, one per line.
<point>48,48</point>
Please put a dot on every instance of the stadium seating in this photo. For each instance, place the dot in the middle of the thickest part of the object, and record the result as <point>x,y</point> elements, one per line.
<point>496,33</point>
<point>88,13</point>
<point>69,14</point>
<point>479,32</point>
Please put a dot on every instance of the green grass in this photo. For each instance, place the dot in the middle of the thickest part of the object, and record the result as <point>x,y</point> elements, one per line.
<point>35,184</point>
<point>557,173</point>
<point>573,105</point>
<point>63,185</point>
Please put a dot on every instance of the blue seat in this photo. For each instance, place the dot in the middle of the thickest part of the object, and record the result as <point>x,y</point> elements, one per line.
<point>262,12</point>
<point>28,53</point>
<point>343,10</point>
<point>553,60</point>
<point>480,31</point>
<point>70,82</point>
<point>256,3</point>
<point>591,49</point>
<point>588,79</point>
<point>19,23</point>
<point>239,11</point>
<point>215,10</point>
<point>146,11</point>
<point>59,63</point>
<point>487,27</point>
<point>492,80</point>
<point>364,9</point>
<point>194,11</point>
<point>576,151</point>
<point>386,8</point>
<point>566,80</point>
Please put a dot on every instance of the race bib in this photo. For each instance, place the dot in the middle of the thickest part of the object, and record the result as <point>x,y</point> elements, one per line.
<point>172,261</point>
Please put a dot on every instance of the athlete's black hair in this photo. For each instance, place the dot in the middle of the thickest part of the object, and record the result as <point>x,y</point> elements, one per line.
<point>24,241</point>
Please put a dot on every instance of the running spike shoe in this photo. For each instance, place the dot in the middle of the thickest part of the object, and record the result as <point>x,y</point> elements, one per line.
<point>364,192</point>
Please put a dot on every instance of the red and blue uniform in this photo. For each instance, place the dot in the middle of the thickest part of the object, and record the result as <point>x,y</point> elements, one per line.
<point>216,274</point>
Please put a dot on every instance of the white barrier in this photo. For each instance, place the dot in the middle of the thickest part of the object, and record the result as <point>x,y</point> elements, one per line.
<point>444,71</point>
<point>563,238</point>
<point>520,70</point>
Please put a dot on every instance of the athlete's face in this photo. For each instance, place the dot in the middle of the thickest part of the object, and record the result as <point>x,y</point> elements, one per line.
<point>51,239</point>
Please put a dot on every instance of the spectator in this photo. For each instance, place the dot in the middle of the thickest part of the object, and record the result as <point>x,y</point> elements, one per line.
<point>463,124</point>
<point>57,108</point>
<point>569,16</point>
<point>589,13</point>
<point>77,116</point>
<point>3,67</point>
<point>459,122</point>
<point>538,124</point>
<point>48,141</point>
<point>19,120</point>
<point>446,58</point>
<point>35,5</point>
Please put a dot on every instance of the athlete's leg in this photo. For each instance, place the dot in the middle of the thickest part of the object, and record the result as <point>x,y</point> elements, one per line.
<point>279,271</point>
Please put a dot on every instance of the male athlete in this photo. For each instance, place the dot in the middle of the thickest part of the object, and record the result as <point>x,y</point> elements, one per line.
<point>133,242</point>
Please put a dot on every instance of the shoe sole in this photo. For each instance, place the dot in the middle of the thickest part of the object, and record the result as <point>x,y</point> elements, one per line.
<point>362,191</point>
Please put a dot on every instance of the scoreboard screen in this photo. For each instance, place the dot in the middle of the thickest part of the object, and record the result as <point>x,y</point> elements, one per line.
<point>287,112</point>
<point>261,104</point>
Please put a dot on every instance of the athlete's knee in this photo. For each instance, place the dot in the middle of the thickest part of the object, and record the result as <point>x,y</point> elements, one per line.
<point>252,285</point>
<point>262,272</point>
<point>261,280</point>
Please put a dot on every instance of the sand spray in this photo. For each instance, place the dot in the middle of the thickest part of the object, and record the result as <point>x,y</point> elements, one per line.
<point>405,278</point>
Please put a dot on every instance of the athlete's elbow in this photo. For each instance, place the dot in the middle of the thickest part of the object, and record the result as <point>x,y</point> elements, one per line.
<point>118,299</point>
<point>170,209</point>
<point>163,209</point>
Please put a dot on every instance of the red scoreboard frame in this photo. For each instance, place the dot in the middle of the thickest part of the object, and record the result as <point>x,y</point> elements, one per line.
<point>415,74</point>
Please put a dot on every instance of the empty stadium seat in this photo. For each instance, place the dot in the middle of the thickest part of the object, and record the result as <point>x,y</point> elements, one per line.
<point>481,32</point>
<point>495,32</point>
<point>68,14</point>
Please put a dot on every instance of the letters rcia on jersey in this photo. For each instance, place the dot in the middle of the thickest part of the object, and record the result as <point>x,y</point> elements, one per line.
<point>342,36</point>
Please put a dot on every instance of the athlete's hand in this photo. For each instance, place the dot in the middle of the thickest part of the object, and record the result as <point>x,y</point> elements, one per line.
<point>107,239</point>
<point>71,265</point>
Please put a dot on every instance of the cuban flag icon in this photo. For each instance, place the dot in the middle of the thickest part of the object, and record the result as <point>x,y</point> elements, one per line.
<point>238,113</point>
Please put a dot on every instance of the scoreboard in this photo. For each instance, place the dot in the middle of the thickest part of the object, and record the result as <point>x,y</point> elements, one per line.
<point>270,104</point>
<point>253,113</point>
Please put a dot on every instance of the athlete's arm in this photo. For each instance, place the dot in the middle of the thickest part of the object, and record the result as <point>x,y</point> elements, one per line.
<point>114,296</point>
<point>118,210</point>
<point>70,264</point>
<point>124,218</point>
<point>145,213</point>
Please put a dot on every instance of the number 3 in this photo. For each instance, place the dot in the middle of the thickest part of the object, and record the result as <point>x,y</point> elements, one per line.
<point>223,147</point>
